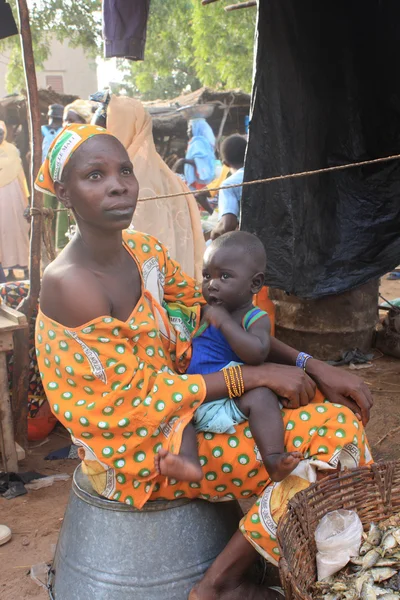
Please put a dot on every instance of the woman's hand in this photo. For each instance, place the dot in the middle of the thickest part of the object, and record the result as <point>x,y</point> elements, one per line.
<point>292,384</point>
<point>341,387</point>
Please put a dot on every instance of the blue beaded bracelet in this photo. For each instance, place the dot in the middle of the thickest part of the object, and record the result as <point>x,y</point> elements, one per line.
<point>302,359</point>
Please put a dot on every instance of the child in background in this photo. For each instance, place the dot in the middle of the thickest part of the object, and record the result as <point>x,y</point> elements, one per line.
<point>233,332</point>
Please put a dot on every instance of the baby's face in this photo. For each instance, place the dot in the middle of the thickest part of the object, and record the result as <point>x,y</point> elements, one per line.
<point>227,278</point>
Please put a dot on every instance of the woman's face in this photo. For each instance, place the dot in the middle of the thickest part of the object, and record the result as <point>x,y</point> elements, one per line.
<point>72,117</point>
<point>99,184</point>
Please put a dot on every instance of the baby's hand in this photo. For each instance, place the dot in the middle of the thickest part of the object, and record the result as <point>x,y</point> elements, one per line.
<point>216,315</point>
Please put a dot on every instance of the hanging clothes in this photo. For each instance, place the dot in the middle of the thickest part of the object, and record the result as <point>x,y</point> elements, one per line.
<point>8,26</point>
<point>124,28</point>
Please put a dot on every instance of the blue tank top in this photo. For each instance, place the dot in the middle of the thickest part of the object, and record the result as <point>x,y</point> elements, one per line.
<point>210,350</point>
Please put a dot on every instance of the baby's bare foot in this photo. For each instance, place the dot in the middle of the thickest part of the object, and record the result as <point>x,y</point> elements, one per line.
<point>280,466</point>
<point>177,466</point>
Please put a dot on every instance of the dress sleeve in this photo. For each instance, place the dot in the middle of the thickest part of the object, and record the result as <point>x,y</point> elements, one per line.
<point>179,287</point>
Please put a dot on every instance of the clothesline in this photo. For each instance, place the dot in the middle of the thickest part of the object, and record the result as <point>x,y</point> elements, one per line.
<point>343,167</point>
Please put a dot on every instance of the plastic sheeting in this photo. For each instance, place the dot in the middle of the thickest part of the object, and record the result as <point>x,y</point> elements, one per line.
<point>326,92</point>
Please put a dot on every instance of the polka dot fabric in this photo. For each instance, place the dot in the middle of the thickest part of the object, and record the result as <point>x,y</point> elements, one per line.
<point>325,433</point>
<point>114,385</point>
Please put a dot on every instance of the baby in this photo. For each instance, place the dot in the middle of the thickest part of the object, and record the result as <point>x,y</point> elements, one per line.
<point>232,332</point>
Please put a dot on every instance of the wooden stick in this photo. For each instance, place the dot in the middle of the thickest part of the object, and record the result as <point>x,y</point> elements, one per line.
<point>6,421</point>
<point>205,2</point>
<point>21,338</point>
<point>391,432</point>
<point>240,5</point>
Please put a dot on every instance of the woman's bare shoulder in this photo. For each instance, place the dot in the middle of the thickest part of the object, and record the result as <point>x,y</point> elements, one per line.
<point>71,294</point>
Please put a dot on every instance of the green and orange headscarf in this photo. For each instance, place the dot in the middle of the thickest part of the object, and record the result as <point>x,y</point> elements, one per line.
<point>60,152</point>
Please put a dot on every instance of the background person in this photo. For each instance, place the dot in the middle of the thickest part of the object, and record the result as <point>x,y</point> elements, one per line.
<point>14,228</point>
<point>233,152</point>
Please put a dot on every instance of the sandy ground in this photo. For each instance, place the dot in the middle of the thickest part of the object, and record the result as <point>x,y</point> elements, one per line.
<point>35,519</point>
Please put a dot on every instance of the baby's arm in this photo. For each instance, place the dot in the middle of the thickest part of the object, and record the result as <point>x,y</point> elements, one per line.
<point>251,346</point>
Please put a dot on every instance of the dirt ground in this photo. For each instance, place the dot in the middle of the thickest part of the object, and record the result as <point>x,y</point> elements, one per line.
<point>35,519</point>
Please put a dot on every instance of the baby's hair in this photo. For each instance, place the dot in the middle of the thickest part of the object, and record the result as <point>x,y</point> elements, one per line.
<point>253,247</point>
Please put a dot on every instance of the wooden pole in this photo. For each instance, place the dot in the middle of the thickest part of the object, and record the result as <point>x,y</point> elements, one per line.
<point>21,338</point>
<point>240,5</point>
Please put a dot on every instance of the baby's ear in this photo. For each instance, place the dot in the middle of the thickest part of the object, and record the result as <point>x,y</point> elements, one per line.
<point>257,282</point>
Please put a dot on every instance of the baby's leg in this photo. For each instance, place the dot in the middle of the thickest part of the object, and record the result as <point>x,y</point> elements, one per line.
<point>184,466</point>
<point>261,407</point>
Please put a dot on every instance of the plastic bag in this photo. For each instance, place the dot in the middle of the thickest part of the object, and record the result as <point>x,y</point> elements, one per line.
<point>338,537</point>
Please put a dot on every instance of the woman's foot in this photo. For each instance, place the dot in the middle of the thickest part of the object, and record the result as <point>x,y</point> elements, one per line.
<point>177,466</point>
<point>280,466</point>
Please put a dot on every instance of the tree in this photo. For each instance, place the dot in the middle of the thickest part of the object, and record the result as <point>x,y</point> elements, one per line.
<point>78,22</point>
<point>189,45</point>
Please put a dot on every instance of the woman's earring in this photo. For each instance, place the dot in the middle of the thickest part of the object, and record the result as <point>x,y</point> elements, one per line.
<point>71,225</point>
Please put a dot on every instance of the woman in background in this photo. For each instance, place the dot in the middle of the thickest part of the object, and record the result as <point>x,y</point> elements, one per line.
<point>199,162</point>
<point>14,229</point>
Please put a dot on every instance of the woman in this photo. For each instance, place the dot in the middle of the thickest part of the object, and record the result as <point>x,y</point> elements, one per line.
<point>14,229</point>
<point>174,221</point>
<point>79,111</point>
<point>111,363</point>
<point>199,162</point>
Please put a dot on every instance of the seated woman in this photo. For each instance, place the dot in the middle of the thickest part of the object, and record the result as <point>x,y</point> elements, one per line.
<point>113,340</point>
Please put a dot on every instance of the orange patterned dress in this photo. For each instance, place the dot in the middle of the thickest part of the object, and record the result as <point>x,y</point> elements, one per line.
<point>120,389</point>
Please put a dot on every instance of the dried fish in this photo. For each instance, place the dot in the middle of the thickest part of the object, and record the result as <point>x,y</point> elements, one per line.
<point>371,558</point>
<point>367,592</point>
<point>382,573</point>
<point>396,535</point>
<point>388,541</point>
<point>374,535</point>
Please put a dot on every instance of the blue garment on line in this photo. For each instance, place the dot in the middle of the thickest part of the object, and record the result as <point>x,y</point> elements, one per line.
<point>211,352</point>
<point>201,149</point>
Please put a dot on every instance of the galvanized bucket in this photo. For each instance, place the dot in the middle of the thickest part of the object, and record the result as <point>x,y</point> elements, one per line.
<point>110,551</point>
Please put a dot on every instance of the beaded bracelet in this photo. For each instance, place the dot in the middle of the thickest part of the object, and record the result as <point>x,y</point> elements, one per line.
<point>234,381</point>
<point>302,359</point>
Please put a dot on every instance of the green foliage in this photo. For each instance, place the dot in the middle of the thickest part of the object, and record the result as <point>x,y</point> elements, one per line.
<point>189,45</point>
<point>77,22</point>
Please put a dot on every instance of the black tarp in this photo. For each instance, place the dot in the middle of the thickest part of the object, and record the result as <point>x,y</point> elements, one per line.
<point>326,92</point>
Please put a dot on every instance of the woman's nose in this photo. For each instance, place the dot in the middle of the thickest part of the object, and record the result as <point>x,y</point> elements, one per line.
<point>118,187</point>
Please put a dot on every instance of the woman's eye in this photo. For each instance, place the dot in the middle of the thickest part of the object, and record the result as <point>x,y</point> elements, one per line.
<point>94,176</point>
<point>127,171</point>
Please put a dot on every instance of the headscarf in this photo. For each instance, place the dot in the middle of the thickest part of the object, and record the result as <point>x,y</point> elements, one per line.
<point>10,161</point>
<point>60,152</point>
<point>201,149</point>
<point>83,108</point>
<point>174,221</point>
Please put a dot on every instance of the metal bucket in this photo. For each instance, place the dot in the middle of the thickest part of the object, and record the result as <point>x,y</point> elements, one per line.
<point>110,551</point>
<point>328,326</point>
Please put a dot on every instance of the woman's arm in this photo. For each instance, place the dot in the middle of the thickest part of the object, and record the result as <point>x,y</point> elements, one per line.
<point>340,387</point>
<point>287,382</point>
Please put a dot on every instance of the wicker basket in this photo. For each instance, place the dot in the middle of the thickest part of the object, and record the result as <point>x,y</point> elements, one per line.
<point>373,491</point>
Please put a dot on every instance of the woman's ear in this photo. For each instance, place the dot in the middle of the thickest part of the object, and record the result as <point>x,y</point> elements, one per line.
<point>61,193</point>
<point>257,282</point>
